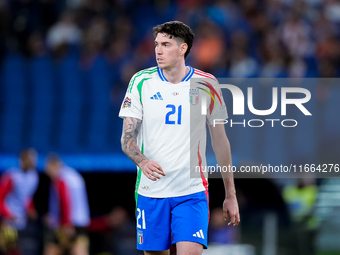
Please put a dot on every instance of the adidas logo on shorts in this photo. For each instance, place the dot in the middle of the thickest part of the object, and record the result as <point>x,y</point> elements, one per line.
<point>199,234</point>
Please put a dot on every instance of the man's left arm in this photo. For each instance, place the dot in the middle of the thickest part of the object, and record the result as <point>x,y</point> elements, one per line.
<point>221,147</point>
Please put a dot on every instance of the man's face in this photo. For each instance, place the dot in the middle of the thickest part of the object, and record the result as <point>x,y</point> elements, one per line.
<point>28,160</point>
<point>168,51</point>
<point>52,169</point>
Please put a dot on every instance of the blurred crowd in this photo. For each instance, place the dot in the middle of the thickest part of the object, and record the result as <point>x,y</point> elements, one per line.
<point>102,43</point>
<point>246,38</point>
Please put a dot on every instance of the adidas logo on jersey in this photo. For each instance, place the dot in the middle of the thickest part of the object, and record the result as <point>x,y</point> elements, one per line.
<point>199,234</point>
<point>157,96</point>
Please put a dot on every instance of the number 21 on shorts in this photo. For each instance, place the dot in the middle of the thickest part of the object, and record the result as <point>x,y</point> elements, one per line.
<point>141,214</point>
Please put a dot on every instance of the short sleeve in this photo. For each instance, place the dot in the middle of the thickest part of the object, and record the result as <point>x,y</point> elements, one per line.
<point>217,108</point>
<point>132,103</point>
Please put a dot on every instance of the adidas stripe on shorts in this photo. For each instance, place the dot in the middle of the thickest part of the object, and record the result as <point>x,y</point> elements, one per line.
<point>162,222</point>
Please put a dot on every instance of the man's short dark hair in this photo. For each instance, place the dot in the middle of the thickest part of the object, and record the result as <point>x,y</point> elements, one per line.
<point>53,158</point>
<point>176,29</point>
<point>28,152</point>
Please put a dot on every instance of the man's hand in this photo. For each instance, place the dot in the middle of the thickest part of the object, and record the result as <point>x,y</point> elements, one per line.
<point>152,170</point>
<point>231,211</point>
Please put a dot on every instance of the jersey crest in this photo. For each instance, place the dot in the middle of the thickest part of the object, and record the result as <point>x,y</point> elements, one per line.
<point>194,96</point>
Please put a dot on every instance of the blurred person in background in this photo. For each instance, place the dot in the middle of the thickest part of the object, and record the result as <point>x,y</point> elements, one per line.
<point>242,65</point>
<point>36,46</point>
<point>17,187</point>
<point>272,55</point>
<point>209,47</point>
<point>219,233</point>
<point>113,233</point>
<point>24,19</point>
<point>300,198</point>
<point>68,210</point>
<point>64,34</point>
<point>296,36</point>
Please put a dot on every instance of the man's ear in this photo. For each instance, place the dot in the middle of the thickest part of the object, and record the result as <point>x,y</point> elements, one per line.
<point>184,48</point>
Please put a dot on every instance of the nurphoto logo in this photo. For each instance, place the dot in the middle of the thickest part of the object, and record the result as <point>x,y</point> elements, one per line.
<point>295,96</point>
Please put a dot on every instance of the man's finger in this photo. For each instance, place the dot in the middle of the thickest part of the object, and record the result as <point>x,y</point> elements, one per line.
<point>225,215</point>
<point>157,167</point>
<point>153,174</point>
<point>151,177</point>
<point>232,220</point>
<point>237,219</point>
<point>152,170</point>
<point>159,171</point>
<point>148,174</point>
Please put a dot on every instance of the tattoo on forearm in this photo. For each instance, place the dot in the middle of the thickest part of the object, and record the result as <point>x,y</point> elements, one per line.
<point>131,128</point>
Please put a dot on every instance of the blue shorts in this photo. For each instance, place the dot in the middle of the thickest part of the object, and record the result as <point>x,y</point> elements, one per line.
<point>162,222</point>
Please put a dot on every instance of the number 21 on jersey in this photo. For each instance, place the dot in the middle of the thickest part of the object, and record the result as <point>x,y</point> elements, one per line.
<point>177,111</point>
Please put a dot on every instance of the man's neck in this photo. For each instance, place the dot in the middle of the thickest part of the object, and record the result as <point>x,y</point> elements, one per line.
<point>176,74</point>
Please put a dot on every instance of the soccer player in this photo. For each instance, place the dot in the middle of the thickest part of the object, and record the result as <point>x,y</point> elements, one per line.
<point>68,210</point>
<point>172,208</point>
<point>17,187</point>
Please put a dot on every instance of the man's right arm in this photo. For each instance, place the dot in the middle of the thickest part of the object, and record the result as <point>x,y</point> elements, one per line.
<point>131,129</point>
<point>6,185</point>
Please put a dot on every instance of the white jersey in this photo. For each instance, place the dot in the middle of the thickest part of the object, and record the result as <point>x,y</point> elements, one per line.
<point>166,135</point>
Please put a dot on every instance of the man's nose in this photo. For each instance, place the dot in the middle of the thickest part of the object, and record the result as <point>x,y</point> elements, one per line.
<point>159,50</point>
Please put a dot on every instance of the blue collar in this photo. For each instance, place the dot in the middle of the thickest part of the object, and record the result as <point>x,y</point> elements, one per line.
<point>186,78</point>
